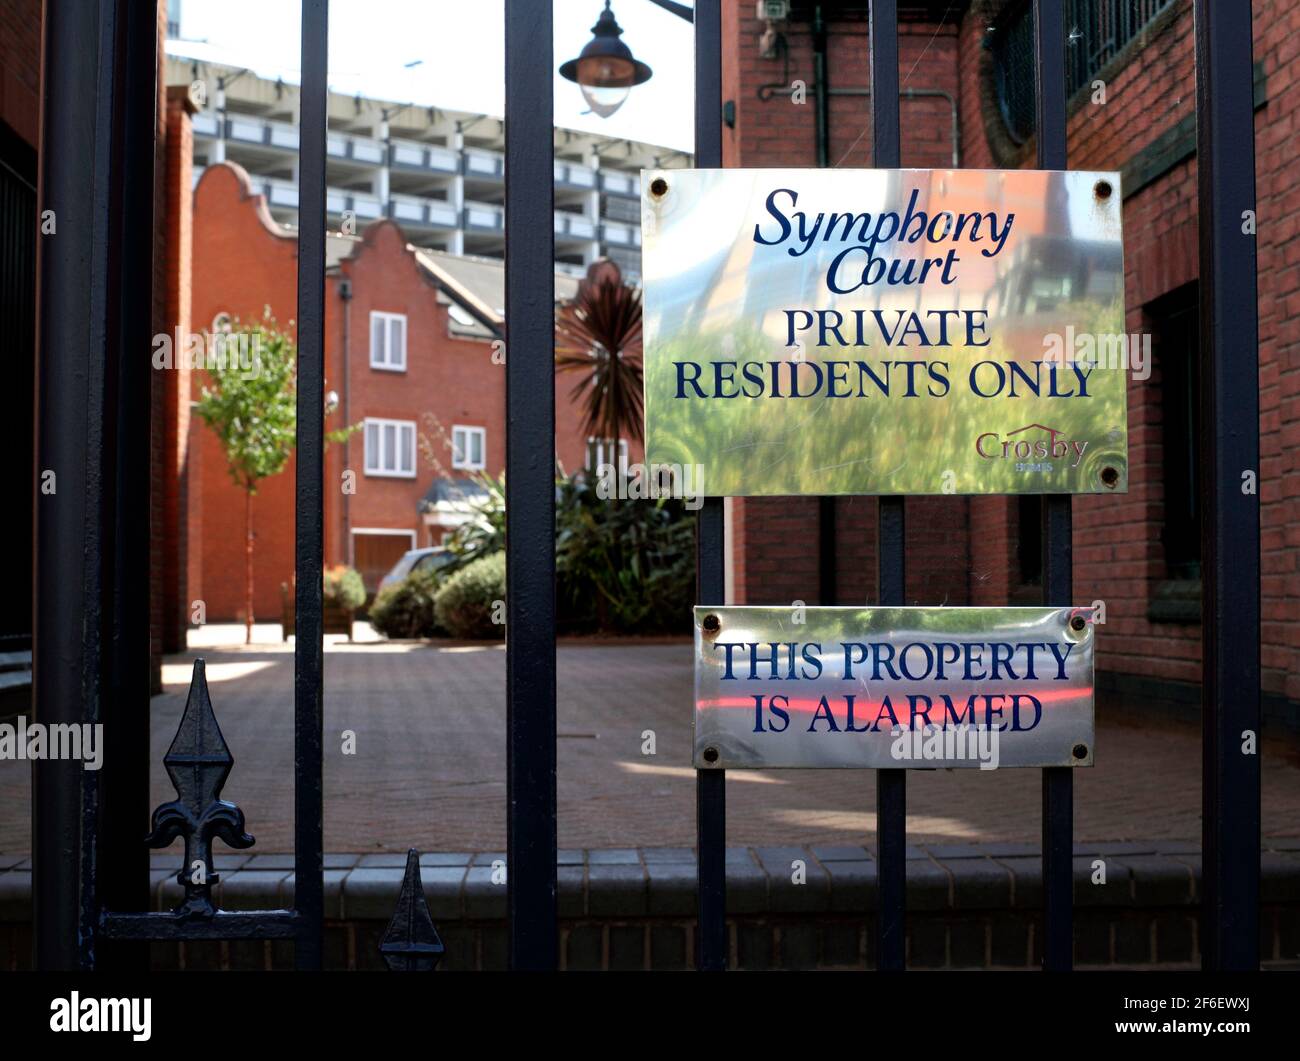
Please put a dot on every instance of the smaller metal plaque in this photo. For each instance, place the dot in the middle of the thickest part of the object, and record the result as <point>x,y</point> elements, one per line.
<point>909,688</point>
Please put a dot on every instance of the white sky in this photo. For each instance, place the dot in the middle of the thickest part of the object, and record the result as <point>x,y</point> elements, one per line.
<point>461,43</point>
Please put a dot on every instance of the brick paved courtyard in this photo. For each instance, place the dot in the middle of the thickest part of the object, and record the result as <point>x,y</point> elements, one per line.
<point>429,768</point>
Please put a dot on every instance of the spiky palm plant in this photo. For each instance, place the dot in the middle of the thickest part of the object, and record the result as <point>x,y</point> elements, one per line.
<point>598,335</point>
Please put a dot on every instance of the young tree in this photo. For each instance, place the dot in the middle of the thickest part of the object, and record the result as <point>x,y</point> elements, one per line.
<point>250,402</point>
<point>598,334</point>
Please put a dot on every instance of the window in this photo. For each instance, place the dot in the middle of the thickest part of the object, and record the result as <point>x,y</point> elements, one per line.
<point>1098,31</point>
<point>388,341</point>
<point>600,452</point>
<point>468,448</point>
<point>390,448</point>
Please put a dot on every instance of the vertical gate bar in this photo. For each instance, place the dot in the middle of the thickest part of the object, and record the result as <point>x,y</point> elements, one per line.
<point>710,785</point>
<point>827,567</point>
<point>530,487</point>
<point>891,785</point>
<point>1058,575</point>
<point>308,661</point>
<point>123,858</point>
<point>74,267</point>
<point>1230,523</point>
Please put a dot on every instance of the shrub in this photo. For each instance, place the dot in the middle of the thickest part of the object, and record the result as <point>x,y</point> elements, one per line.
<point>484,530</point>
<point>622,565</point>
<point>407,609</point>
<point>344,588</point>
<point>465,603</point>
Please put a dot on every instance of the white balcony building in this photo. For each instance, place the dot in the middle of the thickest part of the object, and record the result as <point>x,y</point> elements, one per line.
<point>438,173</point>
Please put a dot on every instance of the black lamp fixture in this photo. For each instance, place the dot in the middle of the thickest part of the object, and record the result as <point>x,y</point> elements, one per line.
<point>606,69</point>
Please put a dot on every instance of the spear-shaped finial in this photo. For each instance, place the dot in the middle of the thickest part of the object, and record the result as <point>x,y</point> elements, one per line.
<point>198,763</point>
<point>411,944</point>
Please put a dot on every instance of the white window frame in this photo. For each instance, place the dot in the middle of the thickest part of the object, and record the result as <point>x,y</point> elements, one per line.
<point>466,463</point>
<point>599,448</point>
<point>374,462</point>
<point>382,359</point>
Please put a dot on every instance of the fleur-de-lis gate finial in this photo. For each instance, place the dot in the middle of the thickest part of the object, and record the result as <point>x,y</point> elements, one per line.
<point>411,944</point>
<point>198,763</point>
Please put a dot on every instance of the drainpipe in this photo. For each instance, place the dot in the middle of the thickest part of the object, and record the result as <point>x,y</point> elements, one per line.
<point>345,293</point>
<point>821,90</point>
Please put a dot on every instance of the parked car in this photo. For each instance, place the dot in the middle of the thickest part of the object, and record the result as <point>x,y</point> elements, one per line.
<point>430,558</point>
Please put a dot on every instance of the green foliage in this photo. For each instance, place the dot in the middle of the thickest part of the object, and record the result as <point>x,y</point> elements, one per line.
<point>465,603</point>
<point>622,566</point>
<point>897,444</point>
<point>407,609</point>
<point>344,587</point>
<point>484,532</point>
<point>250,402</point>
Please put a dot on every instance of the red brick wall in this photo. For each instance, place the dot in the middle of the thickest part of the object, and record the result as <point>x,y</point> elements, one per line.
<point>178,231</point>
<point>1277,191</point>
<point>20,67</point>
<point>243,263</point>
<point>1119,555</point>
<point>775,551</point>
<point>160,457</point>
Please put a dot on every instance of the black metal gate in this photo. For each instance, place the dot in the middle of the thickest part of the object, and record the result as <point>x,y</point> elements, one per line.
<point>92,565</point>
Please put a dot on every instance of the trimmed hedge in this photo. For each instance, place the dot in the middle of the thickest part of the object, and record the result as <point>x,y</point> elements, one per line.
<point>344,588</point>
<point>467,600</point>
<point>407,609</point>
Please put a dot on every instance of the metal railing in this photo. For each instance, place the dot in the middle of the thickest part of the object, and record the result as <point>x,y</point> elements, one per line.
<point>91,635</point>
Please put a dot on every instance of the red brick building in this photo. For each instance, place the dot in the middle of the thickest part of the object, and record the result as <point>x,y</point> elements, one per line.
<point>415,356</point>
<point>963,71</point>
<point>966,103</point>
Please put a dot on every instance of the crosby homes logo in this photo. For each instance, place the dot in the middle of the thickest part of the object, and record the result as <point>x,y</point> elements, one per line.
<point>1018,446</point>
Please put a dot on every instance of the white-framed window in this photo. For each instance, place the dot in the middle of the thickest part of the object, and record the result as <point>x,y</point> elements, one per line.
<point>600,451</point>
<point>390,448</point>
<point>468,448</point>
<point>388,341</point>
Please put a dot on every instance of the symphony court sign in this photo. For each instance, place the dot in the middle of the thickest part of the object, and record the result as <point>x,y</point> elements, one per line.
<point>886,331</point>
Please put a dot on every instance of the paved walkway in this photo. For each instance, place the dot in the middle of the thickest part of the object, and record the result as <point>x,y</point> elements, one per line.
<point>429,768</point>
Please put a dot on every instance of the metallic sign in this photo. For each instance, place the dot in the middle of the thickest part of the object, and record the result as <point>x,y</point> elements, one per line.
<point>887,331</point>
<point>921,688</point>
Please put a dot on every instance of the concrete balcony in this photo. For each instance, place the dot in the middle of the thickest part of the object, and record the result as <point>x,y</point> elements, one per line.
<point>244,129</point>
<point>365,206</point>
<point>417,212</point>
<point>574,227</point>
<point>613,182</point>
<point>359,149</point>
<point>259,132</point>
<point>434,158</point>
<point>621,235</point>
<point>205,124</point>
<point>484,164</point>
<point>572,175</point>
<point>484,217</point>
